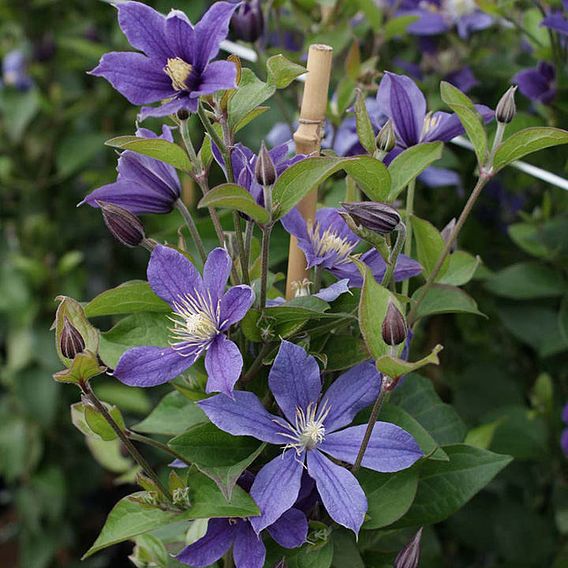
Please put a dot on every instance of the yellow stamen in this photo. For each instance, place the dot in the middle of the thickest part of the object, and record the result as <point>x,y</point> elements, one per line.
<point>329,241</point>
<point>178,71</point>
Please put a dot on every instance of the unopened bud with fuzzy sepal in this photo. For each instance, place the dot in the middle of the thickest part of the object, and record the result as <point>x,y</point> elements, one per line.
<point>123,225</point>
<point>264,168</point>
<point>386,138</point>
<point>377,217</point>
<point>506,109</point>
<point>71,340</point>
<point>409,556</point>
<point>447,231</point>
<point>247,22</point>
<point>394,329</point>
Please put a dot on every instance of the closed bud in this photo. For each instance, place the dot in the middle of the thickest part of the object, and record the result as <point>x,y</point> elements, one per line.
<point>506,109</point>
<point>386,138</point>
<point>376,217</point>
<point>447,231</point>
<point>183,114</point>
<point>71,341</point>
<point>394,329</point>
<point>123,225</point>
<point>264,169</point>
<point>247,22</point>
<point>409,556</point>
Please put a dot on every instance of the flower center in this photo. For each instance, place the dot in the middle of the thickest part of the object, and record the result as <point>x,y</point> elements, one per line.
<point>430,122</point>
<point>308,430</point>
<point>195,321</point>
<point>329,242</point>
<point>178,71</point>
<point>301,288</point>
<point>459,8</point>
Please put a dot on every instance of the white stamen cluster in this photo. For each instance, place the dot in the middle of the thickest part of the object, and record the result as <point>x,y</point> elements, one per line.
<point>308,430</point>
<point>196,321</point>
<point>459,8</point>
<point>329,241</point>
<point>178,71</point>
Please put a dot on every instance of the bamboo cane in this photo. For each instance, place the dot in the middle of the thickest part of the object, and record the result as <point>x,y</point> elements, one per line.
<point>307,139</point>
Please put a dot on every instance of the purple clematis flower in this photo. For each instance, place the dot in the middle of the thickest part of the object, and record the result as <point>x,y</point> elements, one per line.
<point>557,20</point>
<point>310,427</point>
<point>176,59</point>
<point>202,315</point>
<point>564,436</point>
<point>403,102</point>
<point>329,242</point>
<point>143,185</point>
<point>289,531</point>
<point>538,84</point>
<point>463,79</point>
<point>15,71</point>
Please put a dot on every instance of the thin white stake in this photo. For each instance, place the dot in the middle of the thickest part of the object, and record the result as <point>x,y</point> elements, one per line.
<point>249,54</point>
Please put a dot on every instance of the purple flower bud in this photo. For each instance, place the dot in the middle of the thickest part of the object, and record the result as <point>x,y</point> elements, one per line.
<point>506,109</point>
<point>123,225</point>
<point>247,22</point>
<point>409,556</point>
<point>376,217</point>
<point>394,329</point>
<point>71,340</point>
<point>264,169</point>
<point>386,138</point>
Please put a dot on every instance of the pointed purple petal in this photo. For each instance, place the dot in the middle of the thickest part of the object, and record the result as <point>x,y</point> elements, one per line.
<point>216,273</point>
<point>218,76</point>
<point>235,304</point>
<point>294,379</point>
<point>171,275</point>
<point>210,31</point>
<point>429,23</point>
<point>217,540</point>
<point>223,362</point>
<point>140,79</point>
<point>333,292</point>
<point>151,366</point>
<point>248,550</point>
<point>180,34</point>
<point>340,492</point>
<point>168,108</point>
<point>404,103</point>
<point>406,268</point>
<point>439,177</point>
<point>144,28</point>
<point>390,449</point>
<point>243,415</point>
<point>290,530</point>
<point>276,488</point>
<point>350,393</point>
<point>295,224</point>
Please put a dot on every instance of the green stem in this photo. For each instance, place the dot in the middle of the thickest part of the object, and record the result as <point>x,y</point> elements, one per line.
<point>184,129</point>
<point>248,240</point>
<point>408,242</point>
<point>383,394</point>
<point>317,278</point>
<point>266,230</point>
<point>393,257</point>
<point>481,183</point>
<point>155,444</point>
<point>132,450</point>
<point>256,364</point>
<point>241,247</point>
<point>496,142</point>
<point>190,223</point>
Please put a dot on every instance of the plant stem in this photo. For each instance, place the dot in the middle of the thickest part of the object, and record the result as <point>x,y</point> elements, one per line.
<point>371,424</point>
<point>248,240</point>
<point>256,364</point>
<point>393,257</point>
<point>317,278</point>
<point>481,182</point>
<point>496,141</point>
<point>266,230</point>
<point>241,247</point>
<point>190,223</point>
<point>184,129</point>
<point>155,444</point>
<point>132,450</point>
<point>408,242</point>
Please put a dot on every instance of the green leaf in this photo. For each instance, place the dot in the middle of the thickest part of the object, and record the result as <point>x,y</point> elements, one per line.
<point>462,266</point>
<point>97,423</point>
<point>417,396</point>
<point>301,178</point>
<point>128,298</point>
<point>529,238</point>
<point>445,299</point>
<point>363,124</point>
<point>226,477</point>
<point>206,445</point>
<point>372,310</point>
<point>233,196</point>
<point>527,142</point>
<point>130,518</point>
<point>251,93</point>
<point>311,556</point>
<point>482,436</point>
<point>429,245</point>
<point>445,487</point>
<point>394,367</point>
<point>281,71</point>
<point>83,367</point>
<point>526,281</point>
<point>409,164</point>
<point>471,120</point>
<point>389,495</point>
<point>248,118</point>
<point>173,415</point>
<point>344,352</point>
<point>157,148</point>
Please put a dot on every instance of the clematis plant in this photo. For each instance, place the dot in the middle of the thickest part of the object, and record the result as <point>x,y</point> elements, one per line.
<point>265,395</point>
